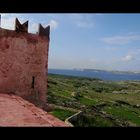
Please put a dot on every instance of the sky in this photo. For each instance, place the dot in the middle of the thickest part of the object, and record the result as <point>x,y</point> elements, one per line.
<point>91,41</point>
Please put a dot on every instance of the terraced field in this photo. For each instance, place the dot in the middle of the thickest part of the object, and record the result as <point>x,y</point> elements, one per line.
<point>104,104</point>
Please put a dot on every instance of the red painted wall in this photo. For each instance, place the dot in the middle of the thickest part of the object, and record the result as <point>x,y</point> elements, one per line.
<point>24,65</point>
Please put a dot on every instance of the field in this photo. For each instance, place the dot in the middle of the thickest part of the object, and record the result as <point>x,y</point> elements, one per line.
<point>104,103</point>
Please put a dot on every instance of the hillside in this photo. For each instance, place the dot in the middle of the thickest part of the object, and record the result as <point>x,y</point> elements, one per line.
<point>104,104</point>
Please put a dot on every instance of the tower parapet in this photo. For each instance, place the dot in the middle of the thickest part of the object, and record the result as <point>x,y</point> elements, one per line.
<point>24,62</point>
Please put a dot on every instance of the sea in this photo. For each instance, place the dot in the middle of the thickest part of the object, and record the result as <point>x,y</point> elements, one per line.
<point>104,75</point>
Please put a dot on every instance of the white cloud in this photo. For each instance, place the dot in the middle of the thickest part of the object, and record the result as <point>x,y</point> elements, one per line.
<point>8,20</point>
<point>8,23</point>
<point>53,24</point>
<point>128,57</point>
<point>4,15</point>
<point>99,14</point>
<point>110,48</point>
<point>59,61</point>
<point>33,27</point>
<point>84,24</point>
<point>82,20</point>
<point>120,40</point>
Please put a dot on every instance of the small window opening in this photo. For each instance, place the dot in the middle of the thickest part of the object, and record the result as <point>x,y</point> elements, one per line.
<point>33,81</point>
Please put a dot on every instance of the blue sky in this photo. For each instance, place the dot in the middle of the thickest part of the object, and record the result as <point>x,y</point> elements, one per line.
<point>98,41</point>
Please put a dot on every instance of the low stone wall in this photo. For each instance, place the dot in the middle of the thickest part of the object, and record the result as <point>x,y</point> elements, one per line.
<point>73,118</point>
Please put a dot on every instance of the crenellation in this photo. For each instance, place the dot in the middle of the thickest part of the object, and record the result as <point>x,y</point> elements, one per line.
<point>24,63</point>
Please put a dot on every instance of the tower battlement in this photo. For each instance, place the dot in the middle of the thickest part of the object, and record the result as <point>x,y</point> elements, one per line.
<point>24,62</point>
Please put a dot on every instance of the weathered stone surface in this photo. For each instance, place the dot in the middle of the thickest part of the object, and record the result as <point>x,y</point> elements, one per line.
<point>44,31</point>
<point>21,27</point>
<point>22,57</point>
<point>15,111</point>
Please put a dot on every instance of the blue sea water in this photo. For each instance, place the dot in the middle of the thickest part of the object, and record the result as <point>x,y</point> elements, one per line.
<point>104,75</point>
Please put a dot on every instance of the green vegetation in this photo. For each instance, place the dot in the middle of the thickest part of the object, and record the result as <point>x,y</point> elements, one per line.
<point>103,103</point>
<point>87,101</point>
<point>62,114</point>
<point>92,121</point>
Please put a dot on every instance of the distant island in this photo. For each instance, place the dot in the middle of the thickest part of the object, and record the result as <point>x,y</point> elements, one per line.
<point>96,73</point>
<point>113,71</point>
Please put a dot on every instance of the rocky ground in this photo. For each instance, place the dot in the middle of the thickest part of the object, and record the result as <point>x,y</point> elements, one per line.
<point>15,111</point>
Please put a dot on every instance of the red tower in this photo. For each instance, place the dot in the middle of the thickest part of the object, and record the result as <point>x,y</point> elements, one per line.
<point>24,62</point>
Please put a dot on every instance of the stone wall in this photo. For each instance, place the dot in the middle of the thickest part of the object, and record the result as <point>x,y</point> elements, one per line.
<point>24,65</point>
<point>74,117</point>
